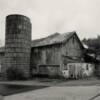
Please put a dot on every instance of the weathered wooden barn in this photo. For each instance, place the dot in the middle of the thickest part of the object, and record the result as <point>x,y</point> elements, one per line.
<point>50,55</point>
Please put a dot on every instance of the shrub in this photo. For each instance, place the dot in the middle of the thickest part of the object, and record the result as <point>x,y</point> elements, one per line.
<point>14,74</point>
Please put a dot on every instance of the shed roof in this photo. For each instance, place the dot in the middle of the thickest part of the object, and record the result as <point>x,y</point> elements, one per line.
<point>52,39</point>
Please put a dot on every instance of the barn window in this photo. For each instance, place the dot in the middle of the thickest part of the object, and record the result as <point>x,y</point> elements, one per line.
<point>87,68</point>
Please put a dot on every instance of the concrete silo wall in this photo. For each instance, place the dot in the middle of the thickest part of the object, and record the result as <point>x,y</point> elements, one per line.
<point>17,44</point>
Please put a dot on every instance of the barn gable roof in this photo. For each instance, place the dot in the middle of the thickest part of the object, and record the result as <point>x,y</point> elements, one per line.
<point>56,38</point>
<point>52,39</point>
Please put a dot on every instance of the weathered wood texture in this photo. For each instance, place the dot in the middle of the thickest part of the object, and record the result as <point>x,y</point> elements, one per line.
<point>58,54</point>
<point>50,70</point>
<point>46,55</point>
<point>46,59</point>
<point>72,51</point>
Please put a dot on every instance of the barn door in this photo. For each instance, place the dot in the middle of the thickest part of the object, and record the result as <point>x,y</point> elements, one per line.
<point>71,70</point>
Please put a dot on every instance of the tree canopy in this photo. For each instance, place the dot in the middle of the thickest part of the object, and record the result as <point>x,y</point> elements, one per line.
<point>93,43</point>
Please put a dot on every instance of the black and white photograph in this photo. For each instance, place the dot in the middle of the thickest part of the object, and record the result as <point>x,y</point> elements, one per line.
<point>49,49</point>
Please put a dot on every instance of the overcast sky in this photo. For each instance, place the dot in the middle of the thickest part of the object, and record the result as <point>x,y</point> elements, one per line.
<point>50,16</point>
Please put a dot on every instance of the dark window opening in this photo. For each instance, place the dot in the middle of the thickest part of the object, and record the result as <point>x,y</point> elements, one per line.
<point>73,39</point>
<point>87,68</point>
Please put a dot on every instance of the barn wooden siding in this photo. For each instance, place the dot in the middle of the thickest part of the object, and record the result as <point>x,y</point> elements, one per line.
<point>46,58</point>
<point>72,51</point>
<point>57,54</point>
<point>46,55</point>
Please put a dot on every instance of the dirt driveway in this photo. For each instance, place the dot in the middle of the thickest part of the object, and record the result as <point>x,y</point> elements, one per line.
<point>60,93</point>
<point>59,90</point>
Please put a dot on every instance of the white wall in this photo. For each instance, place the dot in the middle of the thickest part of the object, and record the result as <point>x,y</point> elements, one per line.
<point>78,70</point>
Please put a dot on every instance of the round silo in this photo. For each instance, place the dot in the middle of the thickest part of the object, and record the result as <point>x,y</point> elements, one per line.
<point>17,45</point>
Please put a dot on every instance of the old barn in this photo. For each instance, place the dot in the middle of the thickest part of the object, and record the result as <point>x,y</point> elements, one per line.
<point>51,55</point>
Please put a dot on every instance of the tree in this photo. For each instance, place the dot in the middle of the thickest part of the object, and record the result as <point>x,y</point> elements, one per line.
<point>93,43</point>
